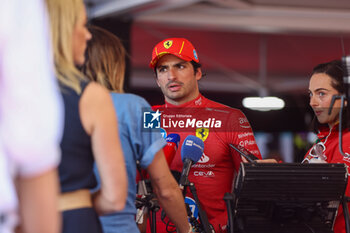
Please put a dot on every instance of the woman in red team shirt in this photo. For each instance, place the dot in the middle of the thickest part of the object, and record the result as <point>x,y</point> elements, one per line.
<point>325,82</point>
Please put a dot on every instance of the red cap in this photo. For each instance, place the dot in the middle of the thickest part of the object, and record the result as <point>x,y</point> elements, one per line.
<point>179,47</point>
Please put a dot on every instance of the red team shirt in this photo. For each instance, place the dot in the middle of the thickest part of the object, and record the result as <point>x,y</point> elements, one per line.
<point>213,175</point>
<point>330,139</point>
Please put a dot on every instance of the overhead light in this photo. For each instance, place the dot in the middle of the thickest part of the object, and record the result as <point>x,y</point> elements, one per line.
<point>264,102</point>
<point>267,103</point>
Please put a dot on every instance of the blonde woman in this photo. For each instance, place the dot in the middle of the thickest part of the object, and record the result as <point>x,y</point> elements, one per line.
<point>90,131</point>
<point>106,65</point>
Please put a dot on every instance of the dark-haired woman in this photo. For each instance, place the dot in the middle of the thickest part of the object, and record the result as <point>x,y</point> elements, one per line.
<point>325,82</point>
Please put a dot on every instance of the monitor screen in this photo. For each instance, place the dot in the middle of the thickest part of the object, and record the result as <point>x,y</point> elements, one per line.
<point>287,197</point>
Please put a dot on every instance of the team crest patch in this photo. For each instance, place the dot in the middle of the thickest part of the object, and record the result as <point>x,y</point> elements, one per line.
<point>202,133</point>
<point>167,44</point>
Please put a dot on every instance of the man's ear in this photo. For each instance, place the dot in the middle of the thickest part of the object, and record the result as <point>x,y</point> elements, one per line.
<point>199,74</point>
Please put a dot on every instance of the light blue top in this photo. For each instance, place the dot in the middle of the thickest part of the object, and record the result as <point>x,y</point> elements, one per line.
<point>137,144</point>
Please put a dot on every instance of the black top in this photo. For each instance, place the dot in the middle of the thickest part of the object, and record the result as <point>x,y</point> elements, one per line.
<point>76,167</point>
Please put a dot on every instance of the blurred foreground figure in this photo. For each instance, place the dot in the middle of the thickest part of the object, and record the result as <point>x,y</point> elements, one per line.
<point>90,128</point>
<point>30,121</point>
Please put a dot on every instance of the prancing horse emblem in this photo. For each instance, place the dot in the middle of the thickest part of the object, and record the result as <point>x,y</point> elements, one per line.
<point>167,44</point>
<point>202,133</point>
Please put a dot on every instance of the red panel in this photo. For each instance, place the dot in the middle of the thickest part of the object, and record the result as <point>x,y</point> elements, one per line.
<point>286,54</point>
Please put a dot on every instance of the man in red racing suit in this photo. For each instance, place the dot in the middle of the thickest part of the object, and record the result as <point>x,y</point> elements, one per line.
<point>187,112</point>
<point>213,174</point>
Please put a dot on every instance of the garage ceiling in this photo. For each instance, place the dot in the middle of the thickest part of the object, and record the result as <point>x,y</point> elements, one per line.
<point>246,46</point>
<point>243,45</point>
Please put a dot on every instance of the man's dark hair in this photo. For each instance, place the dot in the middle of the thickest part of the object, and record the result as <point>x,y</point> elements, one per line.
<point>196,66</point>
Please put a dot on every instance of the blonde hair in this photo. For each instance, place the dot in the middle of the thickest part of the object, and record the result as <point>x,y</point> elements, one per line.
<point>105,61</point>
<point>64,15</point>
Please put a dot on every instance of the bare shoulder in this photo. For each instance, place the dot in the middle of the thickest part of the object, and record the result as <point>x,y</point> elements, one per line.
<point>94,104</point>
<point>95,91</point>
<point>95,97</point>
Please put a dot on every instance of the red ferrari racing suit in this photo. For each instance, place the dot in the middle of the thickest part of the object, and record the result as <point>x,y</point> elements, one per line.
<point>218,126</point>
<point>329,138</point>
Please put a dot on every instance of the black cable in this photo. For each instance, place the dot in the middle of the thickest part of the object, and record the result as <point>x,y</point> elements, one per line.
<point>308,226</point>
